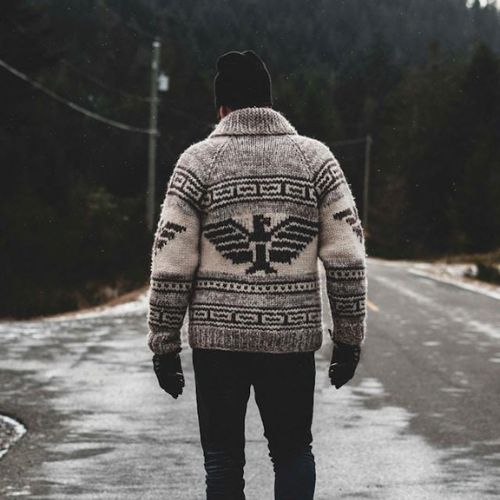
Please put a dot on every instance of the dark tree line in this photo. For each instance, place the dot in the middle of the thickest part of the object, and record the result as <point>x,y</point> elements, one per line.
<point>421,76</point>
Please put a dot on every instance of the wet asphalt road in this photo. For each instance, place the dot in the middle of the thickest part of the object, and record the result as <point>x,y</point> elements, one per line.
<point>419,421</point>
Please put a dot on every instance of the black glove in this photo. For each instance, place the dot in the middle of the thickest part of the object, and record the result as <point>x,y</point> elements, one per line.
<point>345,359</point>
<point>168,369</point>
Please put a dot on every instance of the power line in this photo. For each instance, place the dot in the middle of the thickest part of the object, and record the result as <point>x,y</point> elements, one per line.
<point>97,81</point>
<point>74,106</point>
<point>102,84</point>
<point>74,68</point>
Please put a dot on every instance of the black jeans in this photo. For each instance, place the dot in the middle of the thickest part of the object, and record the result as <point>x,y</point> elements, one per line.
<point>284,392</point>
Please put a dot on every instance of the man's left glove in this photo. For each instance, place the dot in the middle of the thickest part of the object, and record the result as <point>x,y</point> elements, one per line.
<point>168,369</point>
<point>345,359</point>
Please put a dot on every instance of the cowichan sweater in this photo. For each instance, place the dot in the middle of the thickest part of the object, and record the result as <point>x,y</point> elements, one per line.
<point>246,214</point>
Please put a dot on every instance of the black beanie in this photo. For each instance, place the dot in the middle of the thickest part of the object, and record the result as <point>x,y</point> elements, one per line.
<point>242,81</point>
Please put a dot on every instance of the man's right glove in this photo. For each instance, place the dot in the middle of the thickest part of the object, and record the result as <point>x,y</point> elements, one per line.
<point>169,372</point>
<point>345,359</point>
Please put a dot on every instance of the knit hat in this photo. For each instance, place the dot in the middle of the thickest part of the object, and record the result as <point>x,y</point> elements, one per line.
<point>242,81</point>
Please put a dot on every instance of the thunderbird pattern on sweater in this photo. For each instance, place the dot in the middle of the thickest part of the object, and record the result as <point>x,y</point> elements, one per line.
<point>246,214</point>
<point>280,243</point>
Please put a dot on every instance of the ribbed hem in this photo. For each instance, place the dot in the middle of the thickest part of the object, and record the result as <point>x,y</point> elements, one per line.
<point>255,341</point>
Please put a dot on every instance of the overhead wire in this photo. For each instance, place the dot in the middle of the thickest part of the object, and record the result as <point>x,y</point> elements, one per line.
<point>73,105</point>
<point>103,85</point>
<point>79,71</point>
<point>93,79</point>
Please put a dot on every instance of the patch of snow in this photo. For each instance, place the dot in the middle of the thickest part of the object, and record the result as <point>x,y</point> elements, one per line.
<point>460,275</point>
<point>491,291</point>
<point>10,431</point>
<point>135,307</point>
<point>11,491</point>
<point>451,270</point>
<point>484,328</point>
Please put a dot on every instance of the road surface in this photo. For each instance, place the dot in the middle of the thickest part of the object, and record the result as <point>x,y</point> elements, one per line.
<point>419,421</point>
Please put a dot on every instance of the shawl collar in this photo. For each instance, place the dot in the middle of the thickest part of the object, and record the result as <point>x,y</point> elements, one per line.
<point>253,121</point>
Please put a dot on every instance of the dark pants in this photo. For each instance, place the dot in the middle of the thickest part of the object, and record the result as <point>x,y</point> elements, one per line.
<point>284,392</point>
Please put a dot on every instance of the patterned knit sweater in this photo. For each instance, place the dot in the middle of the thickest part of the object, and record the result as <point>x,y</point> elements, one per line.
<point>246,214</point>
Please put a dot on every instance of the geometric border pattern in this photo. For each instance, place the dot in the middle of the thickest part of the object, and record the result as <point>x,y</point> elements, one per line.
<point>328,178</point>
<point>255,317</point>
<point>349,305</point>
<point>262,188</point>
<point>170,283</point>
<point>188,187</point>
<point>227,285</point>
<point>345,273</point>
<point>166,316</point>
<point>279,188</point>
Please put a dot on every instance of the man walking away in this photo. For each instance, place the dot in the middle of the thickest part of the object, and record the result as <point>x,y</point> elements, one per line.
<point>246,214</point>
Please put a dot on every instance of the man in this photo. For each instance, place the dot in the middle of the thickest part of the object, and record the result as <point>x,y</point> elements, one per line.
<point>246,214</point>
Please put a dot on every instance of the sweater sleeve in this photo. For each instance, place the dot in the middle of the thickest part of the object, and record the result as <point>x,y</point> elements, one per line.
<point>175,256</point>
<point>341,248</point>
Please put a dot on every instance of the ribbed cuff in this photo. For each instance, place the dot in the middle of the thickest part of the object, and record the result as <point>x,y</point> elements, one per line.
<point>164,343</point>
<point>349,330</point>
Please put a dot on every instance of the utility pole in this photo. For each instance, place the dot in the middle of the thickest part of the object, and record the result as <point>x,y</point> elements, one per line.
<point>366,184</point>
<point>153,135</point>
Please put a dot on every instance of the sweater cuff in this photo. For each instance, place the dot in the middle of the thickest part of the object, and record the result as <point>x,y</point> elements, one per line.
<point>347,289</point>
<point>349,330</point>
<point>164,343</point>
<point>168,303</point>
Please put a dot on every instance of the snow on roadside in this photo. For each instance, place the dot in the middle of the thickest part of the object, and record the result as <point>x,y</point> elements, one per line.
<point>461,275</point>
<point>10,431</point>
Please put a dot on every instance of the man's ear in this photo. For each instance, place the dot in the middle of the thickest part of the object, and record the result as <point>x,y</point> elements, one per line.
<point>223,111</point>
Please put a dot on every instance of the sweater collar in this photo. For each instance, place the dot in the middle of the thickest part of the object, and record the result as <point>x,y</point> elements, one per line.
<point>253,121</point>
